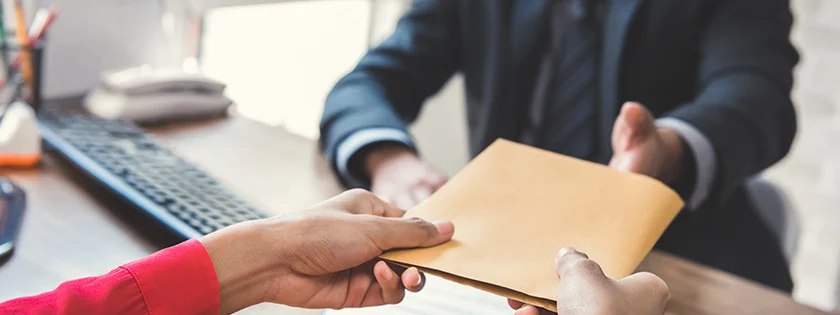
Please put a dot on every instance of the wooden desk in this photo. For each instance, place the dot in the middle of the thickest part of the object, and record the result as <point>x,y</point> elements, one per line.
<point>73,229</point>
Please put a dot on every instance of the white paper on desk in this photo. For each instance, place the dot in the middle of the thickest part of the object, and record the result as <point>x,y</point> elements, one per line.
<point>439,297</point>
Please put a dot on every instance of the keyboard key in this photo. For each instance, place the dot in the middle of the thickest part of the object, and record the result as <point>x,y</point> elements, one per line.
<point>184,215</point>
<point>175,208</point>
<point>159,198</point>
<point>194,222</point>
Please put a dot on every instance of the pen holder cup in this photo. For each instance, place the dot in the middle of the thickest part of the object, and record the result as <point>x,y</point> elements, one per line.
<point>12,51</point>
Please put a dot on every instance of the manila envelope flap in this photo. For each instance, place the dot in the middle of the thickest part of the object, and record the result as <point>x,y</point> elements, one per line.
<point>515,206</point>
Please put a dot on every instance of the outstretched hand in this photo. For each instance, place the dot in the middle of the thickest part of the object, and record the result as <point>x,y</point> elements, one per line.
<point>323,257</point>
<point>640,147</point>
<point>585,290</point>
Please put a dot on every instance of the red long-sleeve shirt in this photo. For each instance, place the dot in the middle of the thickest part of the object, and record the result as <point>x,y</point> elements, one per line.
<point>177,280</point>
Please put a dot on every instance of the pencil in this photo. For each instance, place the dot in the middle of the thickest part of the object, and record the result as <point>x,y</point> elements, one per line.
<point>26,58</point>
<point>39,28</point>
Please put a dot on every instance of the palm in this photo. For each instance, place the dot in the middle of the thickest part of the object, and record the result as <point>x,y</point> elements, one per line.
<point>641,158</point>
<point>637,146</point>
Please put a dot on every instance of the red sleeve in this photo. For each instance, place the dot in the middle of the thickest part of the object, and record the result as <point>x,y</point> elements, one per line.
<point>177,280</point>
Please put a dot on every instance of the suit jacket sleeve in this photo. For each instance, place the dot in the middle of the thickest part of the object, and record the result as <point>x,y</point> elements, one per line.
<point>388,86</point>
<point>177,280</point>
<point>743,105</point>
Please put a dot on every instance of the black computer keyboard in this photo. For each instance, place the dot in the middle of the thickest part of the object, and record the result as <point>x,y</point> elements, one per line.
<point>132,164</point>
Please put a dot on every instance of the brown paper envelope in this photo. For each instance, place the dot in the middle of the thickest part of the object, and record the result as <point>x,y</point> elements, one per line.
<point>515,206</point>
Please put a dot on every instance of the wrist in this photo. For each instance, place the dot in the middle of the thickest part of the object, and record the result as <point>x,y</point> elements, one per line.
<point>674,149</point>
<point>385,154</point>
<point>247,261</point>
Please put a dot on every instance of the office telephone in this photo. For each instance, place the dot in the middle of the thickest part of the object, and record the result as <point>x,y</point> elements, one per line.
<point>145,94</point>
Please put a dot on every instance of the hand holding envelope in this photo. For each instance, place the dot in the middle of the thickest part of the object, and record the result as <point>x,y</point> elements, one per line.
<point>514,207</point>
<point>585,290</point>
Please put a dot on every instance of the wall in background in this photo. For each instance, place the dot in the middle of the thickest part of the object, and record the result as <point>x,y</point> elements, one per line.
<point>90,36</point>
<point>810,174</point>
<point>280,60</point>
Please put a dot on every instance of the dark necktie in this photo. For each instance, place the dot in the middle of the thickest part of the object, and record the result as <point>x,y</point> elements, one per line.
<point>571,96</point>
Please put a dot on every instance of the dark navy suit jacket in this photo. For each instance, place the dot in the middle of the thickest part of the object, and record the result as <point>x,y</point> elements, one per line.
<point>723,66</point>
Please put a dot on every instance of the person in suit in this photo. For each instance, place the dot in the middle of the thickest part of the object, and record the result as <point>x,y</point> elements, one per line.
<point>694,93</point>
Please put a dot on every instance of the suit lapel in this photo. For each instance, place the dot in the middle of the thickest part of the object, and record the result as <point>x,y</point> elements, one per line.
<point>619,15</point>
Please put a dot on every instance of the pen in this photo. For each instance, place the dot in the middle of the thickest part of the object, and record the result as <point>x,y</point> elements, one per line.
<point>43,17</point>
<point>20,29</point>
<point>40,24</point>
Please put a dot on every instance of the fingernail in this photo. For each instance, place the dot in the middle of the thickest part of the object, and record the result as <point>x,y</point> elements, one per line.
<point>445,227</point>
<point>623,165</point>
<point>388,274</point>
<point>419,277</point>
<point>565,250</point>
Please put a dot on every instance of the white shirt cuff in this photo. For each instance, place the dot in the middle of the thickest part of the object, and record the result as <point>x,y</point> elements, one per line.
<point>358,140</point>
<point>704,156</point>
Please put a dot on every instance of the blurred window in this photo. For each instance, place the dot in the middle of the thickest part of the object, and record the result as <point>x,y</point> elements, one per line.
<point>280,59</point>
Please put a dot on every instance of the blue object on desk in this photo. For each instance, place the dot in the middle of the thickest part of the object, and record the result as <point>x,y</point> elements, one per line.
<point>12,204</point>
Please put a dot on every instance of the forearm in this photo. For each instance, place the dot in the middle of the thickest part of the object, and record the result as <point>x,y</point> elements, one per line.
<point>697,164</point>
<point>352,109</point>
<point>387,88</point>
<point>743,103</point>
<point>749,122</point>
<point>354,153</point>
<point>176,280</point>
<point>244,273</point>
